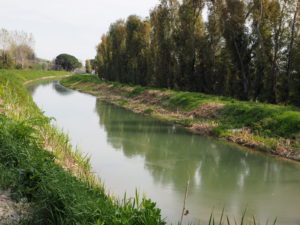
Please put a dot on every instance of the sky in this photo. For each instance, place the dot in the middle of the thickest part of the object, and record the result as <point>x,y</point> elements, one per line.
<point>68,26</point>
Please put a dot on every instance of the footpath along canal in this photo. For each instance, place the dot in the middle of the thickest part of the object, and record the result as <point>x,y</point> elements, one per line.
<point>130,151</point>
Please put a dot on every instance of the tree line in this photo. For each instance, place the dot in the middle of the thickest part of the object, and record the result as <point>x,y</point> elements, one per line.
<point>16,49</point>
<point>246,49</point>
<point>17,52</point>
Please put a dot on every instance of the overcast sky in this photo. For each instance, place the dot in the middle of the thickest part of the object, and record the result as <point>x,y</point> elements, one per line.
<point>68,26</point>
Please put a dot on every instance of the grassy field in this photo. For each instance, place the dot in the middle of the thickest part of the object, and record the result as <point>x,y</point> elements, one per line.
<point>39,167</point>
<point>267,127</point>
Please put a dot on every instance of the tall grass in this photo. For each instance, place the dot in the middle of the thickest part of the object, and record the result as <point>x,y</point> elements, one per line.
<point>57,197</point>
<point>56,182</point>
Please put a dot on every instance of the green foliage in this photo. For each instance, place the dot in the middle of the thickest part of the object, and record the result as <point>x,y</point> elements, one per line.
<point>6,60</point>
<point>88,66</point>
<point>267,120</point>
<point>189,100</point>
<point>67,62</point>
<point>248,50</point>
<point>122,102</point>
<point>82,79</point>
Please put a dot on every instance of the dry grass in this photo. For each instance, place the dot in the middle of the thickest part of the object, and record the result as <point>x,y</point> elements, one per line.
<point>207,110</point>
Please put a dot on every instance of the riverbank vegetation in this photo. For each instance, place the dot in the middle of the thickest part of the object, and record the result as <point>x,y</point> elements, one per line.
<point>38,166</point>
<point>267,127</point>
<point>248,50</point>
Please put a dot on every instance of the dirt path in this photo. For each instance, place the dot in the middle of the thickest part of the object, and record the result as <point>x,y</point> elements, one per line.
<point>44,78</point>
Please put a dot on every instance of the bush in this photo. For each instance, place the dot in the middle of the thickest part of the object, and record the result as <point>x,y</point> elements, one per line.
<point>67,62</point>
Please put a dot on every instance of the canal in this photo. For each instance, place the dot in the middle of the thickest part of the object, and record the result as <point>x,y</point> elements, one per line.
<point>130,151</point>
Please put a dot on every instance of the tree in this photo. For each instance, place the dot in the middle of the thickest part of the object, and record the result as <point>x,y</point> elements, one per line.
<point>67,62</point>
<point>291,91</point>
<point>247,49</point>
<point>215,64</point>
<point>262,49</point>
<point>287,81</point>
<point>117,44</point>
<point>163,22</point>
<point>103,58</point>
<point>19,46</point>
<point>137,46</point>
<point>237,42</point>
<point>88,66</point>
<point>23,55</point>
<point>278,16</point>
<point>188,37</point>
<point>6,61</point>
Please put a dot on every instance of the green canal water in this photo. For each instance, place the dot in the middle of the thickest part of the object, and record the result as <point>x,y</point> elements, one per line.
<point>130,151</point>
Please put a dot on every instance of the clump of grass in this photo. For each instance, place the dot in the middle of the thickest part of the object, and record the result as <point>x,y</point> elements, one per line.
<point>82,78</point>
<point>122,102</point>
<point>148,111</point>
<point>189,100</point>
<point>263,120</point>
<point>136,91</point>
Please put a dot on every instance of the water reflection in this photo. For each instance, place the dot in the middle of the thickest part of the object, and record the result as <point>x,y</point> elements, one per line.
<point>130,150</point>
<point>33,88</point>
<point>55,84</point>
<point>61,89</point>
<point>220,174</point>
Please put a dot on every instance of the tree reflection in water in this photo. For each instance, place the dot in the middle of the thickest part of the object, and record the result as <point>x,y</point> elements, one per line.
<point>221,174</point>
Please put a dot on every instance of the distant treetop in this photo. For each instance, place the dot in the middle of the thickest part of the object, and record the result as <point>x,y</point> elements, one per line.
<point>67,62</point>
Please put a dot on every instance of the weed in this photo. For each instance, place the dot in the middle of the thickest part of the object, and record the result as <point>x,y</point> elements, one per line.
<point>122,102</point>
<point>148,111</point>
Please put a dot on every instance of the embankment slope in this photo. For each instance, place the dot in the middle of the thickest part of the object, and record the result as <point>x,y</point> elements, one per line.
<point>39,170</point>
<point>270,128</point>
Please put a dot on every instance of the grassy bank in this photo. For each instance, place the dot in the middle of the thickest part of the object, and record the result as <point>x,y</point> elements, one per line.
<point>270,128</point>
<point>39,167</point>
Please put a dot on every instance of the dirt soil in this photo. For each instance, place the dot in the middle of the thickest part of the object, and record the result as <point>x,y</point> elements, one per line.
<point>11,211</point>
<point>207,110</point>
